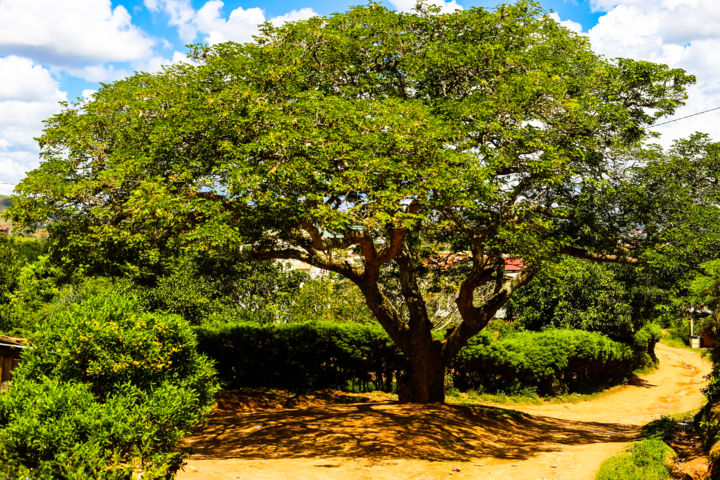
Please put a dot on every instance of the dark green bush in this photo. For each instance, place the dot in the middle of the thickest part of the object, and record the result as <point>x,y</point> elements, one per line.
<point>106,390</point>
<point>329,355</point>
<point>643,344</point>
<point>301,355</point>
<point>552,362</point>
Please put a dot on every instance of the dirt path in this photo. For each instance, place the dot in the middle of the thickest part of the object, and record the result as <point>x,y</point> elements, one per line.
<point>388,441</point>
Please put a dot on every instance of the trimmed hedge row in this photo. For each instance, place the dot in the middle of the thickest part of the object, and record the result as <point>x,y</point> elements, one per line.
<point>551,361</point>
<point>302,356</point>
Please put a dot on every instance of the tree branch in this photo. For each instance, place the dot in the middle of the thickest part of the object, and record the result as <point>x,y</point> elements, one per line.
<point>599,257</point>
<point>476,318</point>
<point>314,258</point>
<point>384,312</point>
<point>411,291</point>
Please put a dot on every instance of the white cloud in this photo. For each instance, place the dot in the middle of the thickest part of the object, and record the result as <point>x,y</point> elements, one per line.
<point>293,16</point>
<point>602,5</point>
<point>155,64</point>
<point>209,21</point>
<point>13,167</point>
<point>28,95</point>
<point>181,16</point>
<point>71,31</point>
<point>679,33</point>
<point>21,80</point>
<point>240,26</point>
<point>409,5</point>
<point>569,24</point>
<point>98,72</point>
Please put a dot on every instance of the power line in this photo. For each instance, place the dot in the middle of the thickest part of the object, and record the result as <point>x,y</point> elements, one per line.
<point>686,116</point>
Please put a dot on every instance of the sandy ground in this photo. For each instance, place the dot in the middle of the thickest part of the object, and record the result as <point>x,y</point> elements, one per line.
<point>389,441</point>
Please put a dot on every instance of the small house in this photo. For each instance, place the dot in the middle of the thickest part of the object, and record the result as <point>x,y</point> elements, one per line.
<point>10,350</point>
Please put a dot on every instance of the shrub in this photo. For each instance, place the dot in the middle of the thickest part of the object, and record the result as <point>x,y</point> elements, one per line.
<point>107,390</point>
<point>301,355</point>
<point>644,341</point>
<point>644,460</point>
<point>552,362</point>
<point>329,355</point>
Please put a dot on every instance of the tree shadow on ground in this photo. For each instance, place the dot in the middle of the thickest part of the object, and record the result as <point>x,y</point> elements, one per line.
<point>636,381</point>
<point>389,430</point>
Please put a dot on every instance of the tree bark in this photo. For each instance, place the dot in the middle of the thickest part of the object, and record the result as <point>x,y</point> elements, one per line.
<point>424,378</point>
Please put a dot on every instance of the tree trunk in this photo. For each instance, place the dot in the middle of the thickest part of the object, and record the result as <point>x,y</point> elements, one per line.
<point>424,378</point>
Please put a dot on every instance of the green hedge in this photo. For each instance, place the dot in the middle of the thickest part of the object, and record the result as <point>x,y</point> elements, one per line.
<point>551,362</point>
<point>301,356</point>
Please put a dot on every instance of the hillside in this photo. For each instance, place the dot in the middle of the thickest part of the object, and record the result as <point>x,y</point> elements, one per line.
<point>4,202</point>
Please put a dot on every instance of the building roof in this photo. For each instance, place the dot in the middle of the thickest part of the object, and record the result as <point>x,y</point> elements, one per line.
<point>13,342</point>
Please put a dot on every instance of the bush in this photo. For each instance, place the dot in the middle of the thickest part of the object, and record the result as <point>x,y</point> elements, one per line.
<point>551,362</point>
<point>301,356</point>
<point>643,344</point>
<point>645,460</point>
<point>107,390</point>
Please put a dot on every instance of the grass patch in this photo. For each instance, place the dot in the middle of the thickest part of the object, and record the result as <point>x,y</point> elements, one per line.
<point>474,397</point>
<point>648,459</point>
<point>663,428</point>
<point>673,338</point>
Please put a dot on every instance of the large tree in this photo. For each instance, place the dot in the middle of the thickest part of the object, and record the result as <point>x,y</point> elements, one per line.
<point>375,144</point>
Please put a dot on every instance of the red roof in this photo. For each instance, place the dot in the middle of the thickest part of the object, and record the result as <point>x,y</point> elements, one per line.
<point>513,264</point>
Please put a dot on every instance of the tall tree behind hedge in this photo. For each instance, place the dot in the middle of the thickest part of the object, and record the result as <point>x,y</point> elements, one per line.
<point>616,300</point>
<point>399,137</point>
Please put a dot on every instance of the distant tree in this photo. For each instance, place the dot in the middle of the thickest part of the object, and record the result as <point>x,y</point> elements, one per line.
<point>575,294</point>
<point>401,138</point>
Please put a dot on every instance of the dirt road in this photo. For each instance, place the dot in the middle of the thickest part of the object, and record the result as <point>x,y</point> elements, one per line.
<point>388,441</point>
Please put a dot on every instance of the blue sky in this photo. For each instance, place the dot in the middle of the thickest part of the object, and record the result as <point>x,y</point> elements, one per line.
<point>53,50</point>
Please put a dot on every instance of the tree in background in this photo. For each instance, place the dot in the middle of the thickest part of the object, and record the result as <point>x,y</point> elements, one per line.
<point>574,294</point>
<point>20,280</point>
<point>385,147</point>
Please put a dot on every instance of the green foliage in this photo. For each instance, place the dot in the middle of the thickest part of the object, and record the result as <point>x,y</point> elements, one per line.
<point>198,287</point>
<point>645,460</point>
<point>329,299</point>
<point>616,300</point>
<point>552,362</point>
<point>215,290</point>
<point>333,125</point>
<point>26,283</point>
<point>329,355</point>
<point>107,390</point>
<point>301,356</point>
<point>643,343</point>
<point>394,136</point>
<point>14,255</point>
<point>705,289</point>
<point>575,294</point>
<point>677,337</point>
<point>661,429</point>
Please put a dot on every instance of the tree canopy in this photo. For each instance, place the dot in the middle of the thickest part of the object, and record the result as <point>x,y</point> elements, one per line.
<point>375,144</point>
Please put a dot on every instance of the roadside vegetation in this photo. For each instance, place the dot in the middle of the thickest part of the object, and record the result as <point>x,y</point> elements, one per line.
<point>650,458</point>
